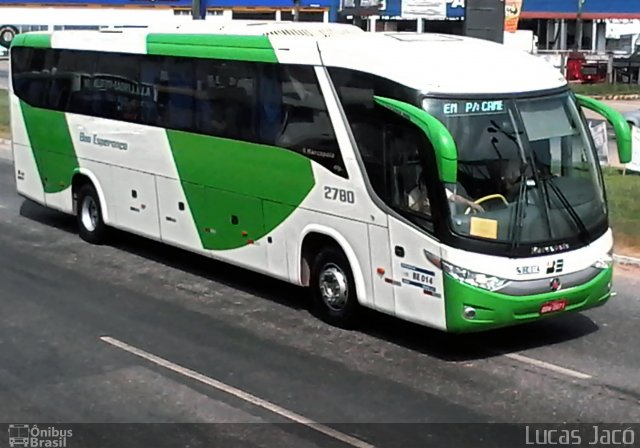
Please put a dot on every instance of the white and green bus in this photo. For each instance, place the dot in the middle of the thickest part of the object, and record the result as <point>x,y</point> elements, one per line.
<point>444,180</point>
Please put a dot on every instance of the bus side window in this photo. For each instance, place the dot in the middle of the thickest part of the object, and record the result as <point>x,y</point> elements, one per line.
<point>356,91</point>
<point>292,114</point>
<point>407,182</point>
<point>369,136</point>
<point>180,94</point>
<point>269,104</point>
<point>31,74</point>
<point>224,92</point>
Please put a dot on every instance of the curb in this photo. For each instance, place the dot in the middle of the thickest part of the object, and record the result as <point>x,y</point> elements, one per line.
<point>617,97</point>
<point>5,149</point>
<point>629,261</point>
<point>5,144</point>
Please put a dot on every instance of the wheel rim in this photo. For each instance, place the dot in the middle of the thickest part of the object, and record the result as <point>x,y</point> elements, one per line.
<point>89,213</point>
<point>334,286</point>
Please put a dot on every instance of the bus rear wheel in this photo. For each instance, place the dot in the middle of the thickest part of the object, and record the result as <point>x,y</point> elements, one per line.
<point>91,227</point>
<point>333,287</point>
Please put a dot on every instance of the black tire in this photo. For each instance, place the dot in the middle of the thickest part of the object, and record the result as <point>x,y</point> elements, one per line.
<point>332,261</point>
<point>91,227</point>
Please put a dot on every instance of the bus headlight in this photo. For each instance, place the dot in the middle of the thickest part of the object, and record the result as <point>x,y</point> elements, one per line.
<point>604,262</point>
<point>477,279</point>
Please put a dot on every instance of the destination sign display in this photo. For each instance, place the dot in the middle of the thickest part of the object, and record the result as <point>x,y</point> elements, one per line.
<point>475,107</point>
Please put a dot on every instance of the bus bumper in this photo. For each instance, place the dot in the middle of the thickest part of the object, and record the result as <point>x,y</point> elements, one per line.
<point>495,310</point>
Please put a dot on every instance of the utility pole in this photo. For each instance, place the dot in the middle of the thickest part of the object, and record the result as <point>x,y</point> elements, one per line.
<point>296,10</point>
<point>578,43</point>
<point>198,9</point>
<point>357,11</point>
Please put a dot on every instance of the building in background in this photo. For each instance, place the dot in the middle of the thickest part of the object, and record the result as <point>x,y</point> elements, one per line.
<point>39,15</point>
<point>555,23</point>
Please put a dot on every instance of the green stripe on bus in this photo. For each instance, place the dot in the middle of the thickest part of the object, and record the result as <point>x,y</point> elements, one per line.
<point>32,40</point>
<point>238,191</point>
<point>243,48</point>
<point>52,147</point>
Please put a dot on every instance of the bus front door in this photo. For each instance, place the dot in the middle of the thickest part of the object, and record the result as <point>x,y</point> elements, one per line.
<point>418,283</point>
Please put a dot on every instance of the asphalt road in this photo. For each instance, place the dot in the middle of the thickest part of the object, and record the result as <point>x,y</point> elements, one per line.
<point>73,317</point>
<point>4,74</point>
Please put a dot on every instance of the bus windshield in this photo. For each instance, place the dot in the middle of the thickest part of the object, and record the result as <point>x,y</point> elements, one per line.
<point>527,170</point>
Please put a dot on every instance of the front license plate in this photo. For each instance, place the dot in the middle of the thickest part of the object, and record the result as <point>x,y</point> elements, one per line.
<point>553,306</point>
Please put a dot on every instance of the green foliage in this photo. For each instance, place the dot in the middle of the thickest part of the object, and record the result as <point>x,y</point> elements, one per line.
<point>624,209</point>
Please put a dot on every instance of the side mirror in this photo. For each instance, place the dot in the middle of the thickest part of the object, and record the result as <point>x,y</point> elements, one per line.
<point>617,120</point>
<point>437,133</point>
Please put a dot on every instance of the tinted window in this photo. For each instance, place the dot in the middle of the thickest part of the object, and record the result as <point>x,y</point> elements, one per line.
<point>31,74</point>
<point>358,87</point>
<point>114,82</point>
<point>293,114</point>
<point>356,91</point>
<point>406,177</point>
<point>389,146</point>
<point>225,99</point>
<point>82,82</point>
<point>272,104</point>
<point>66,75</point>
<point>172,80</point>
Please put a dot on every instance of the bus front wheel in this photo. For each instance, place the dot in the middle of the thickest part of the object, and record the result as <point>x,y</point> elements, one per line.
<point>91,227</point>
<point>334,293</point>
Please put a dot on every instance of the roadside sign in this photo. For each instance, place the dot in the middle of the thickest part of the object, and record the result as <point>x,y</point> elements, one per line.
<point>634,165</point>
<point>601,140</point>
<point>7,33</point>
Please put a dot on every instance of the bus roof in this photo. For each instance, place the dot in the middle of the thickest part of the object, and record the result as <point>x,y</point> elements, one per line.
<point>431,63</point>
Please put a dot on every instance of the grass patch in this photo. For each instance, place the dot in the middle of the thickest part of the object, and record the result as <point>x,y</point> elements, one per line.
<point>606,89</point>
<point>624,210</point>
<point>5,131</point>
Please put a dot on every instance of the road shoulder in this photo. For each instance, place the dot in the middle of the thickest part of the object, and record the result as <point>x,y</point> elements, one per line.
<point>5,149</point>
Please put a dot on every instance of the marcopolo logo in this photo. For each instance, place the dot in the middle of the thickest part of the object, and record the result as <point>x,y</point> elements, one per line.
<point>33,436</point>
<point>556,266</point>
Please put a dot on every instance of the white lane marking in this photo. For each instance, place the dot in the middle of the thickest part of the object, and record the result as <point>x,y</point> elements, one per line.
<point>548,366</point>
<point>238,393</point>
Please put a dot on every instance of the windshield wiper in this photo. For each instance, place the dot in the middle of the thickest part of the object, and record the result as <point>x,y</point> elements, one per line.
<point>584,232</point>
<point>520,211</point>
<point>523,196</point>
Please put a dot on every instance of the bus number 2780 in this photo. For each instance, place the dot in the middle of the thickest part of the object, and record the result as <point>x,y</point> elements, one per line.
<point>338,194</point>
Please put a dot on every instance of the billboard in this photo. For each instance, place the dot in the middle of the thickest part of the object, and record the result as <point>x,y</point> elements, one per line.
<point>365,7</point>
<point>455,9</point>
<point>424,9</point>
<point>512,9</point>
<point>433,9</point>
<point>556,8</point>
